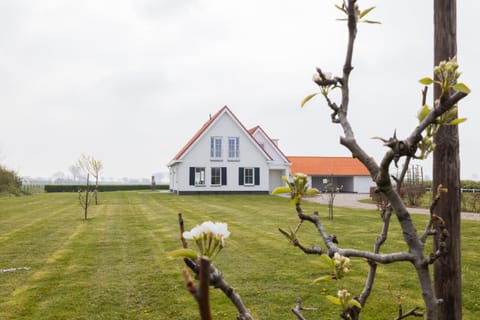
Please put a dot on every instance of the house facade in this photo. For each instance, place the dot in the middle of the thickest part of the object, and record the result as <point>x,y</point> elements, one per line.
<point>225,157</point>
<point>345,172</point>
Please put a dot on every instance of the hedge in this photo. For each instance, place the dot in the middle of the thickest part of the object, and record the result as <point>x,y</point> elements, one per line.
<point>102,187</point>
<point>466,185</point>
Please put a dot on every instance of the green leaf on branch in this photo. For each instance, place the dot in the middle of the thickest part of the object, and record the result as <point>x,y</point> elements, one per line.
<point>426,81</point>
<point>371,21</point>
<point>454,122</point>
<point>461,87</point>
<point>327,260</point>
<point>308,98</point>
<point>312,191</point>
<point>280,190</point>
<point>334,300</point>
<point>355,303</point>
<point>423,113</point>
<point>324,278</point>
<point>343,9</point>
<point>184,253</point>
<point>365,12</point>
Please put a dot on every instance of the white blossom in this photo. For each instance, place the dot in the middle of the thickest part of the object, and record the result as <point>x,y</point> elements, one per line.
<point>204,234</point>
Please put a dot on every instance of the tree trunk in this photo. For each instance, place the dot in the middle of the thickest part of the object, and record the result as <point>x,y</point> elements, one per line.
<point>446,171</point>
<point>86,197</point>
<point>96,189</point>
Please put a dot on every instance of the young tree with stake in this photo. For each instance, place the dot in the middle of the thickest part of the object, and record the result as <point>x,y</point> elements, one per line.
<point>93,167</point>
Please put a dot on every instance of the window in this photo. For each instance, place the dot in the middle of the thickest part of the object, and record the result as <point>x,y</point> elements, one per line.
<point>219,176</point>
<point>249,176</point>
<point>197,176</point>
<point>233,148</point>
<point>216,176</point>
<point>216,147</point>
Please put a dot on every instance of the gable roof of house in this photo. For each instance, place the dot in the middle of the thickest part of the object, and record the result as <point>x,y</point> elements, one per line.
<point>338,166</point>
<point>204,128</point>
<point>274,144</point>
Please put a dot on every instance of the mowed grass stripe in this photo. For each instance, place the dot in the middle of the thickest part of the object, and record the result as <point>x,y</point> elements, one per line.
<point>126,255</point>
<point>37,245</point>
<point>36,211</point>
<point>34,236</point>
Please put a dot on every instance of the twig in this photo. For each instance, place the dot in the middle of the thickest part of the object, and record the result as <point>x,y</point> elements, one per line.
<point>403,173</point>
<point>182,229</point>
<point>314,250</point>
<point>424,95</point>
<point>411,313</point>
<point>189,283</point>
<point>297,310</point>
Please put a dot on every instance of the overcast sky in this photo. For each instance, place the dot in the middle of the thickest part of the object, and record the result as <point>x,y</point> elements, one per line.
<point>130,81</point>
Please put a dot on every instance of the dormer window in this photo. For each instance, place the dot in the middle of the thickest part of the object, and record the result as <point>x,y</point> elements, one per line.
<point>233,148</point>
<point>216,148</point>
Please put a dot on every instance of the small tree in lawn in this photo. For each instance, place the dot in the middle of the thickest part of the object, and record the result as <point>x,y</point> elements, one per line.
<point>84,198</point>
<point>331,189</point>
<point>93,167</point>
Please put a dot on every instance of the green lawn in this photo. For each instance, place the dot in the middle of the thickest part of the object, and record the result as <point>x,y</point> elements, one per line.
<point>115,264</point>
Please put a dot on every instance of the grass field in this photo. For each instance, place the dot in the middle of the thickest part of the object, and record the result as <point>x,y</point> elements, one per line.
<point>115,264</point>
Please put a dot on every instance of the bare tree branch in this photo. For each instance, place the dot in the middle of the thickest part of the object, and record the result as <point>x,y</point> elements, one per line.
<point>332,247</point>
<point>411,313</point>
<point>367,289</point>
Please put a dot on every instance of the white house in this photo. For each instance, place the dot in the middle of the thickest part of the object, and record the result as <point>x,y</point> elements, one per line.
<point>225,157</point>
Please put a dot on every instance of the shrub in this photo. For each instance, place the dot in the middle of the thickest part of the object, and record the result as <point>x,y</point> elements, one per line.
<point>10,182</point>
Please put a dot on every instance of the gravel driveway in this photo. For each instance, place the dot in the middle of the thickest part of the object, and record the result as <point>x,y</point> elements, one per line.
<point>352,200</point>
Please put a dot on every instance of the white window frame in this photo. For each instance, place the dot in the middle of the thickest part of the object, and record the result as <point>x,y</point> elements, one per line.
<point>217,176</point>
<point>216,148</point>
<point>252,176</point>
<point>199,176</point>
<point>233,148</point>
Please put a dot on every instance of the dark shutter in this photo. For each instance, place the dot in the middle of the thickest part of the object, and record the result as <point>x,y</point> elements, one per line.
<point>224,176</point>
<point>192,176</point>
<point>240,176</point>
<point>257,176</point>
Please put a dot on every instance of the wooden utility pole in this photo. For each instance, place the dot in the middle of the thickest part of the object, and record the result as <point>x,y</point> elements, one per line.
<point>446,171</point>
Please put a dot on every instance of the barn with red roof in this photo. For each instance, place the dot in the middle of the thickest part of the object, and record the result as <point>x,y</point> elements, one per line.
<point>345,172</point>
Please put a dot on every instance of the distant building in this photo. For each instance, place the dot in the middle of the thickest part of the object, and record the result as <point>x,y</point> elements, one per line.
<point>347,172</point>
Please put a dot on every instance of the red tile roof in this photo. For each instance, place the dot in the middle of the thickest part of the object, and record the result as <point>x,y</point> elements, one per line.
<point>275,145</point>
<point>338,166</point>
